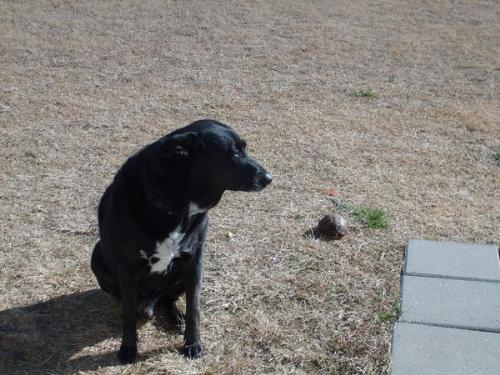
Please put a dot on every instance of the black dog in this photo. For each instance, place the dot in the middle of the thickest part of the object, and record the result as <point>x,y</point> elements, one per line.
<point>153,222</point>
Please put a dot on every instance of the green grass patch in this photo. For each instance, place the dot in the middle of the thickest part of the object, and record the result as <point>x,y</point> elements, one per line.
<point>497,156</point>
<point>373,218</point>
<point>365,93</point>
<point>390,316</point>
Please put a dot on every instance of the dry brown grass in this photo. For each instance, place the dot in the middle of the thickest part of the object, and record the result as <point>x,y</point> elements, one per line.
<point>85,84</point>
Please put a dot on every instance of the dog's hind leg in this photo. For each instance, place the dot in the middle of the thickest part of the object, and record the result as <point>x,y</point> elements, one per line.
<point>104,277</point>
<point>168,301</point>
<point>175,316</point>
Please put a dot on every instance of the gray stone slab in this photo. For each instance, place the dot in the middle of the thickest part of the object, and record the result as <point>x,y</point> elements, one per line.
<point>453,260</point>
<point>427,350</point>
<point>451,302</point>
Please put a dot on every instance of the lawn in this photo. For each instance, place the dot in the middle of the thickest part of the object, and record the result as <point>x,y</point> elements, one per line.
<point>393,105</point>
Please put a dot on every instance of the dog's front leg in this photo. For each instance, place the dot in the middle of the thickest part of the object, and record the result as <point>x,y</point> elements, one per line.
<point>128,348</point>
<point>192,281</point>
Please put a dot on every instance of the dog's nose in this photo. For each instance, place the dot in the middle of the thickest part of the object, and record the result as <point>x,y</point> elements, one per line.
<point>268,178</point>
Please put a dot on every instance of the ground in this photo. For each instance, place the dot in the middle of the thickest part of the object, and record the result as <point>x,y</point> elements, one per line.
<point>388,104</point>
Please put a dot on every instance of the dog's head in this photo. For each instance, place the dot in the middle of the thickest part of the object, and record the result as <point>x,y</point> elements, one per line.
<point>224,162</point>
<point>215,157</point>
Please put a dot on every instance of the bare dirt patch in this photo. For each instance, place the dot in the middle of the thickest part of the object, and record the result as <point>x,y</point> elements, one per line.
<point>85,84</point>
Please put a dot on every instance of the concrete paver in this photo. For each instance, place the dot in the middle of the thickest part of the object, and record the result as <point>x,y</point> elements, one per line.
<point>453,260</point>
<point>428,350</point>
<point>450,310</point>
<point>463,303</point>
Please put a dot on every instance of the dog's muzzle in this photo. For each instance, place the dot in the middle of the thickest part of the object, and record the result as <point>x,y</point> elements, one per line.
<point>261,181</point>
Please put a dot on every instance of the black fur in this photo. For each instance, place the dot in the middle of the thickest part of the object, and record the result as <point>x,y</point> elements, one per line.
<point>149,199</point>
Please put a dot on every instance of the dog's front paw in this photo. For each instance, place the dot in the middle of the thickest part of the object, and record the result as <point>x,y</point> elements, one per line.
<point>194,350</point>
<point>127,354</point>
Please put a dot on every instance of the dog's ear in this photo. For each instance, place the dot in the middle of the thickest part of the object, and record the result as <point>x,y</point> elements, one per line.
<point>192,144</point>
<point>184,144</point>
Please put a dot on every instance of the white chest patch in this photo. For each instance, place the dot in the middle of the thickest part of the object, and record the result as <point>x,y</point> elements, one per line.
<point>165,251</point>
<point>195,209</point>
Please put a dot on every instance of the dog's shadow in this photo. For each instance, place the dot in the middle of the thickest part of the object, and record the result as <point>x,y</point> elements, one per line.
<point>47,337</point>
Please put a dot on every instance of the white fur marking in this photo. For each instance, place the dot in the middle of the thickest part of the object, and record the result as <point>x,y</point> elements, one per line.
<point>165,251</point>
<point>195,209</point>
